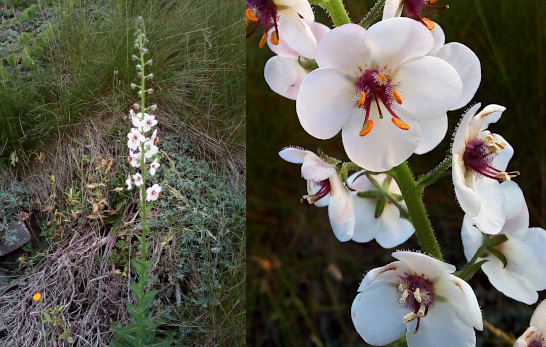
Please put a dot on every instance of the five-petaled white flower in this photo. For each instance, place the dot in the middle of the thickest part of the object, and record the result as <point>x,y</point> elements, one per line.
<point>137,178</point>
<point>366,77</point>
<point>419,295</point>
<point>134,158</point>
<point>152,193</point>
<point>154,166</point>
<point>480,159</point>
<point>535,335</point>
<point>267,12</point>
<point>135,139</point>
<point>388,229</point>
<point>284,72</point>
<point>523,274</point>
<point>325,188</point>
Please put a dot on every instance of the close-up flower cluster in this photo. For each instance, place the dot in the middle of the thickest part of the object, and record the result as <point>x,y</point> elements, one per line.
<point>395,91</point>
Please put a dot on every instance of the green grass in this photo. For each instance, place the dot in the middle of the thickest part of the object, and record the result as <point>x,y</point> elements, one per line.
<point>87,69</point>
<point>299,303</point>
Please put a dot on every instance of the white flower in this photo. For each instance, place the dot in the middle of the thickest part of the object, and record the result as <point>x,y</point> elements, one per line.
<point>389,229</point>
<point>267,12</point>
<point>283,72</point>
<point>325,188</point>
<point>418,295</point>
<point>128,182</point>
<point>135,138</point>
<point>134,158</point>
<point>150,149</point>
<point>523,274</point>
<point>480,159</point>
<point>152,193</point>
<point>143,123</point>
<point>535,335</point>
<point>368,77</point>
<point>154,166</point>
<point>137,178</point>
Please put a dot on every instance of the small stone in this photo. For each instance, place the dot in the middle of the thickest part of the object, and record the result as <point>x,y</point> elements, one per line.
<point>15,237</point>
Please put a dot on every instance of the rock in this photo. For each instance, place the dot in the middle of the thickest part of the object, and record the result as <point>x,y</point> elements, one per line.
<point>15,237</point>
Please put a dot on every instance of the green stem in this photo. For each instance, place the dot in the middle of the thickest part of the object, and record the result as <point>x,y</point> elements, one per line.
<point>413,196</point>
<point>335,9</point>
<point>142,210</point>
<point>436,173</point>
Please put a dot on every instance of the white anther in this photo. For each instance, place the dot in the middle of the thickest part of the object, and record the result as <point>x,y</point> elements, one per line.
<point>409,317</point>
<point>417,295</point>
<point>404,297</point>
<point>421,312</point>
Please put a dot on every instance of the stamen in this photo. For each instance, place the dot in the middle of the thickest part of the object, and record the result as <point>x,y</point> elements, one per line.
<point>368,125</point>
<point>432,1</point>
<point>275,38</point>
<point>251,15</point>
<point>362,99</point>
<point>409,317</point>
<point>382,77</point>
<point>263,40</point>
<point>397,96</point>
<point>417,295</point>
<point>428,23</point>
<point>399,124</point>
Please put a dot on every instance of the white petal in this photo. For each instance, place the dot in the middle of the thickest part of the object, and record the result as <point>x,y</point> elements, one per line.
<point>538,319</point>
<point>471,236</point>
<point>444,326</point>
<point>439,38</point>
<point>300,6</point>
<point>432,133</point>
<point>388,273</point>
<point>325,102</point>
<point>316,169</point>
<point>491,218</point>
<point>467,65</point>
<point>490,114</point>
<point>393,230</point>
<point>319,30</point>
<point>385,146</point>
<point>428,86</point>
<point>294,154</point>
<point>392,41</point>
<point>340,210</point>
<point>366,225</point>
<point>515,209</point>
<point>297,35</point>
<point>472,308</point>
<point>377,315</point>
<point>392,8</point>
<point>508,282</point>
<point>500,162</point>
<point>284,76</point>
<point>467,198</point>
<point>462,132</point>
<point>423,264</point>
<point>343,49</point>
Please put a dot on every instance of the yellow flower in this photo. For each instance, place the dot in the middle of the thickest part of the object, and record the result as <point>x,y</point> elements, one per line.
<point>37,297</point>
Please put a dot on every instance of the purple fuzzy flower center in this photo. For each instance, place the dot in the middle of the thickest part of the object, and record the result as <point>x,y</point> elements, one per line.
<point>416,294</point>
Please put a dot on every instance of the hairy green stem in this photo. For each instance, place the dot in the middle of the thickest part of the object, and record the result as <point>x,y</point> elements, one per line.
<point>413,196</point>
<point>335,9</point>
<point>436,173</point>
<point>142,209</point>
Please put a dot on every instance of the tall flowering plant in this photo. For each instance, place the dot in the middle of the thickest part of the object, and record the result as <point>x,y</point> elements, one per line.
<point>387,88</point>
<point>143,161</point>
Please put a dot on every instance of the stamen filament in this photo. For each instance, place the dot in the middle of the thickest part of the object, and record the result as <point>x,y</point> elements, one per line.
<point>251,15</point>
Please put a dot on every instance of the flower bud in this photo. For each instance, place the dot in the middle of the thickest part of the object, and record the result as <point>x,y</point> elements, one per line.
<point>134,57</point>
<point>139,67</point>
<point>140,75</point>
<point>133,86</point>
<point>149,62</point>
<point>150,76</point>
<point>152,108</point>
<point>150,91</point>
<point>142,49</point>
<point>136,106</point>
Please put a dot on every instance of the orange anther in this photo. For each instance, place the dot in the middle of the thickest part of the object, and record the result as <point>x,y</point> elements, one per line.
<point>251,15</point>
<point>362,99</point>
<point>262,41</point>
<point>368,125</point>
<point>399,124</point>
<point>396,96</point>
<point>382,77</point>
<point>275,38</point>
<point>432,1</point>
<point>428,23</point>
